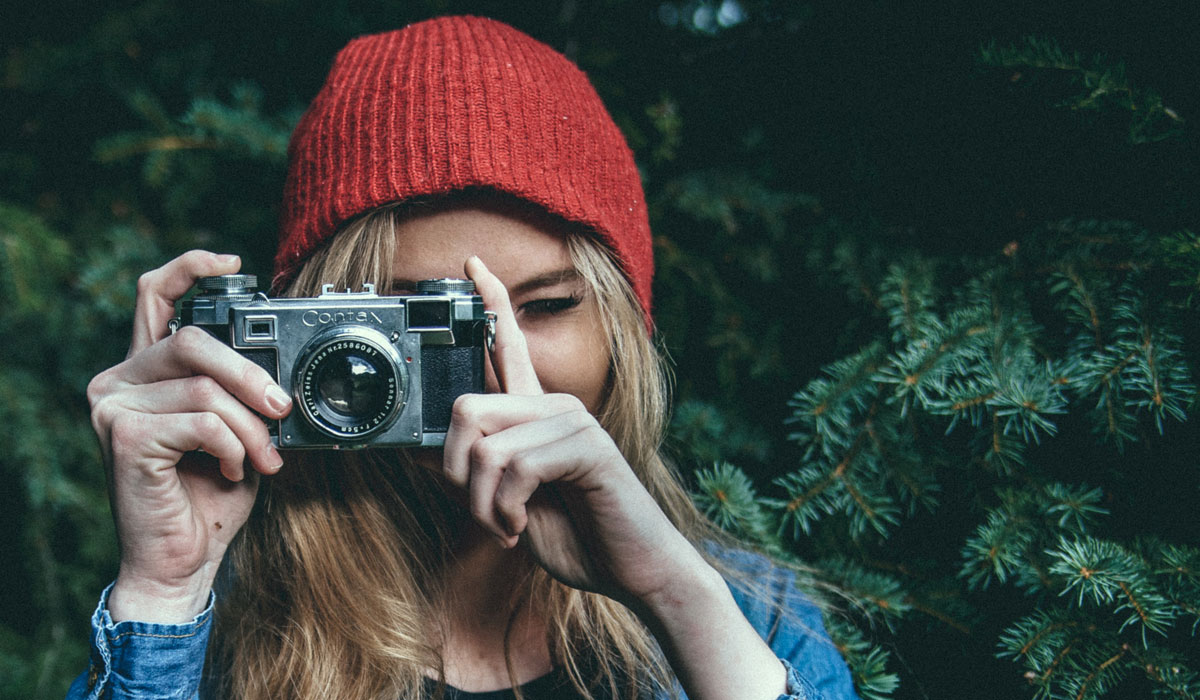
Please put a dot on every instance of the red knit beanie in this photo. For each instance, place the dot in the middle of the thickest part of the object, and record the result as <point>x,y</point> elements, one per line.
<point>454,103</point>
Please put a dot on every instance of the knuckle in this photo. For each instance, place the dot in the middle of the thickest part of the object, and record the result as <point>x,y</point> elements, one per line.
<point>104,413</point>
<point>519,467</point>
<point>257,438</point>
<point>190,341</point>
<point>578,406</point>
<point>596,435</point>
<point>479,511</point>
<point>507,503</point>
<point>466,410</point>
<point>99,387</point>
<point>209,424</point>
<point>147,282</point>
<point>583,417</point>
<point>205,390</point>
<point>570,403</point>
<point>483,455</point>
<point>453,475</point>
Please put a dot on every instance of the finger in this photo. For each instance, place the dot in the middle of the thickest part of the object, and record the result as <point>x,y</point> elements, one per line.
<point>202,394</point>
<point>488,462</point>
<point>506,468</point>
<point>510,356</point>
<point>157,442</point>
<point>474,416</point>
<point>159,289</point>
<point>192,352</point>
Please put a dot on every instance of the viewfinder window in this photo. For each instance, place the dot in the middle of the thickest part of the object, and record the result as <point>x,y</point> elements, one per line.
<point>259,329</point>
<point>429,314</point>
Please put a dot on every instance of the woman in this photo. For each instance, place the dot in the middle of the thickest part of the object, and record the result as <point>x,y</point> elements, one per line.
<point>546,551</point>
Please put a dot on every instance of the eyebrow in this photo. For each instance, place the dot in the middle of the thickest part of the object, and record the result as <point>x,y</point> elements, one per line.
<point>546,279</point>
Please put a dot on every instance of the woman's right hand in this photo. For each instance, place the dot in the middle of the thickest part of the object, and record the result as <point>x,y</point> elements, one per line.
<point>177,510</point>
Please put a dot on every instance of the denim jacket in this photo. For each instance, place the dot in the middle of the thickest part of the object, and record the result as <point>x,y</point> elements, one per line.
<point>132,659</point>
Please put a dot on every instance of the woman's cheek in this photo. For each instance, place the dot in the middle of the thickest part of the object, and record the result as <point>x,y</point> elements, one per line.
<point>570,361</point>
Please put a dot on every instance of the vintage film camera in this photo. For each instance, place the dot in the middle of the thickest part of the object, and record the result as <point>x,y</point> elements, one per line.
<point>363,370</point>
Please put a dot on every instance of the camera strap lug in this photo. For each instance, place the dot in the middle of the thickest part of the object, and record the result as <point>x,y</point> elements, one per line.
<point>490,318</point>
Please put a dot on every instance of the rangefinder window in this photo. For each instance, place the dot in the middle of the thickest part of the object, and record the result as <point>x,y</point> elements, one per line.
<point>429,314</point>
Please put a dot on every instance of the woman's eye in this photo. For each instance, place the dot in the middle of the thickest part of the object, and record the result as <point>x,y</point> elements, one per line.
<point>549,306</point>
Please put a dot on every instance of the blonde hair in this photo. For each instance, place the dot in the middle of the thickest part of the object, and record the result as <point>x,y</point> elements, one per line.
<point>304,616</point>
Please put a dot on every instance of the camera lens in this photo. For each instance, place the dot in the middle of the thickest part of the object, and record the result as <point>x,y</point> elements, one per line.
<point>351,383</point>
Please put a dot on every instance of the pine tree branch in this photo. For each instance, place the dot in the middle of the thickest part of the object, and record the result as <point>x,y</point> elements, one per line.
<point>1133,602</point>
<point>1084,297</point>
<point>906,301</point>
<point>1058,658</point>
<point>997,435</point>
<point>1154,672</point>
<point>1106,382</point>
<point>911,484</point>
<point>943,348</point>
<point>1148,346</point>
<point>1042,633</point>
<point>842,467</point>
<point>938,615</point>
<point>899,568</point>
<point>862,504</point>
<point>964,404</point>
<point>1042,574</point>
<point>1100,669</point>
<point>1186,606</point>
<point>1110,409</point>
<point>834,475</point>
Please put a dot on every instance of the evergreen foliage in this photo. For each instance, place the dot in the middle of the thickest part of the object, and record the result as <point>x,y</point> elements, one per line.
<point>930,288</point>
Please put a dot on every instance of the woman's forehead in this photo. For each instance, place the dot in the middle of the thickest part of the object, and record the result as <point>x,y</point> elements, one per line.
<point>515,249</point>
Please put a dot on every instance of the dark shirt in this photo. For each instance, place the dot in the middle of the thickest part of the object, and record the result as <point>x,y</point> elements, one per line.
<point>552,686</point>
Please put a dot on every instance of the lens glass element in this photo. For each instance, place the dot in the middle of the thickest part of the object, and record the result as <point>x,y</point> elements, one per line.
<point>351,385</point>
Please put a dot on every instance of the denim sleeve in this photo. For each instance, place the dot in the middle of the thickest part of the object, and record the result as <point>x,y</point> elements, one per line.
<point>143,660</point>
<point>792,626</point>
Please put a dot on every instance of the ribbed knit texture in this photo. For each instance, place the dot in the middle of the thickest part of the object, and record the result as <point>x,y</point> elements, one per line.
<point>454,103</point>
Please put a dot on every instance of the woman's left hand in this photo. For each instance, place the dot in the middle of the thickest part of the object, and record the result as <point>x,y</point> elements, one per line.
<point>539,466</point>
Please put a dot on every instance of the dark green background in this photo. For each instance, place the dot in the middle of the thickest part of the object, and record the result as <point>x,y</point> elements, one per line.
<point>764,145</point>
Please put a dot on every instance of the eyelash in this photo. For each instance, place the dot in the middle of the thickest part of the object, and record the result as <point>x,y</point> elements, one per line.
<point>550,306</point>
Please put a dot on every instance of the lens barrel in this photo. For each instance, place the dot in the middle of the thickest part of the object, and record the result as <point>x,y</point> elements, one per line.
<point>351,383</point>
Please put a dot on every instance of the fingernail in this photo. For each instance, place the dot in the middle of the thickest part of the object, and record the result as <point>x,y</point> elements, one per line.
<point>277,398</point>
<point>227,259</point>
<point>274,455</point>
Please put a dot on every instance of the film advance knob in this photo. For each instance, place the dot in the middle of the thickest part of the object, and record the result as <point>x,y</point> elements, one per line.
<point>228,284</point>
<point>446,285</point>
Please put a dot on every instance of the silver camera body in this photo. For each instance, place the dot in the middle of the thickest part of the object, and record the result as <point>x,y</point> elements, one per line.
<point>363,370</point>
